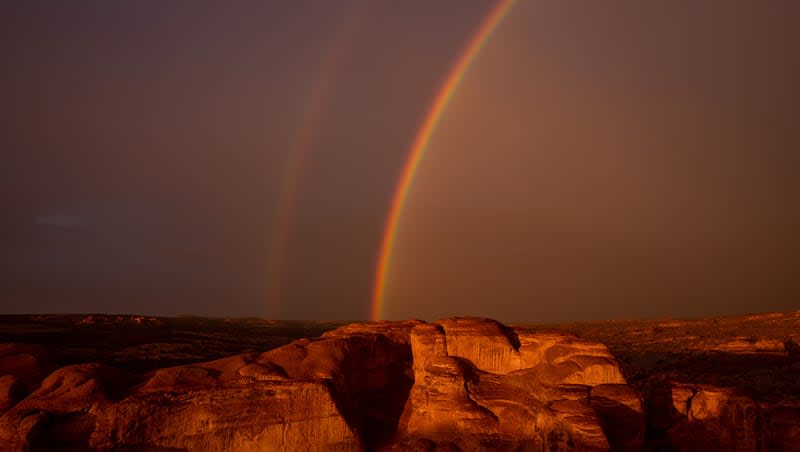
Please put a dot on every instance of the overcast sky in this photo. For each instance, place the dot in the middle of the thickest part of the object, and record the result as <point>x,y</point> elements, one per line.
<point>600,160</point>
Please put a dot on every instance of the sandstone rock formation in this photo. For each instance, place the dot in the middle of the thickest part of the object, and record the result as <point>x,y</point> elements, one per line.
<point>716,384</point>
<point>479,384</point>
<point>22,368</point>
<point>455,384</point>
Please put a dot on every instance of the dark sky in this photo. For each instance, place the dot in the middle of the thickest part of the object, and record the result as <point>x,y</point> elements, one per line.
<point>600,160</point>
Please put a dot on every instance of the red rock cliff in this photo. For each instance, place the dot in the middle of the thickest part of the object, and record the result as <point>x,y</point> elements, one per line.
<point>455,384</point>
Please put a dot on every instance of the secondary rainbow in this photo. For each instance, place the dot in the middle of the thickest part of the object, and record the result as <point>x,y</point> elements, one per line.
<point>320,93</point>
<point>420,145</point>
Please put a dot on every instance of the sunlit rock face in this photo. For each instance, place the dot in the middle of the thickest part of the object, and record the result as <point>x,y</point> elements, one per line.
<point>467,384</point>
<point>247,417</point>
<point>476,387</point>
<point>64,411</point>
<point>489,345</point>
<point>343,391</point>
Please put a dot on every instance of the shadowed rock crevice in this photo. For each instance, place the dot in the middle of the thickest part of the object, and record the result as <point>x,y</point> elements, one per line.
<point>372,387</point>
<point>621,414</point>
<point>63,432</point>
<point>623,426</point>
<point>512,336</point>
<point>457,384</point>
<point>704,417</point>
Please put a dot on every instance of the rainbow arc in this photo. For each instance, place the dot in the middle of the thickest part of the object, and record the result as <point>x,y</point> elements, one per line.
<point>420,145</point>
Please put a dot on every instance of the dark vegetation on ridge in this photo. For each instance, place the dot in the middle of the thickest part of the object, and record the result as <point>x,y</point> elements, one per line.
<point>142,343</point>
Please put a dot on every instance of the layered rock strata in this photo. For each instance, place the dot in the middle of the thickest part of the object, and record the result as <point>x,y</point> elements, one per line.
<point>455,384</point>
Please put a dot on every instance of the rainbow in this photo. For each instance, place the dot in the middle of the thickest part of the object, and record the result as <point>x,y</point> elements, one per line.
<point>420,145</point>
<point>321,91</point>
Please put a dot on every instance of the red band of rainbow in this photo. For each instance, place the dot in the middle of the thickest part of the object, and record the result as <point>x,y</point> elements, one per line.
<point>420,145</point>
<point>321,90</point>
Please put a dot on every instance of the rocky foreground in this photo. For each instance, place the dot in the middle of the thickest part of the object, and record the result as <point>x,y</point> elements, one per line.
<point>455,384</point>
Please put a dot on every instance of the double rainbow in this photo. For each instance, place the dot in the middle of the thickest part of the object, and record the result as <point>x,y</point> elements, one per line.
<point>420,145</point>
